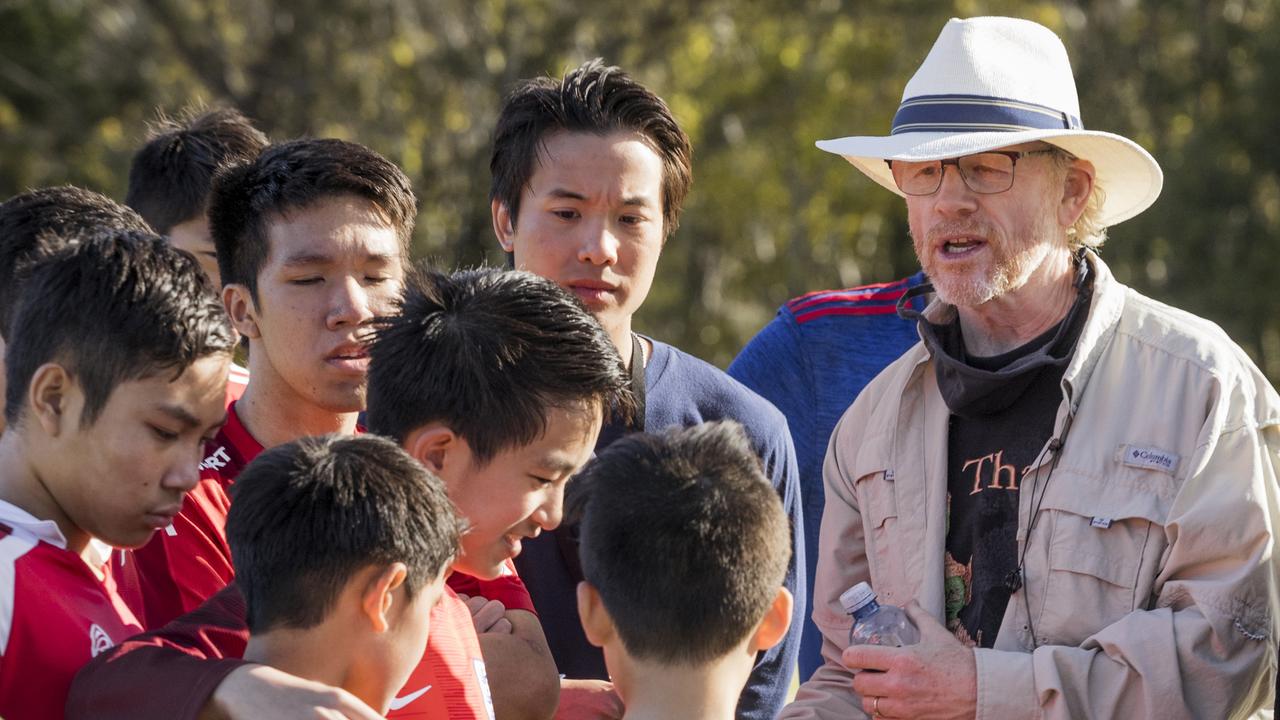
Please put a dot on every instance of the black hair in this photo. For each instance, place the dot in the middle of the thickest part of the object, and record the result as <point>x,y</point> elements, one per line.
<point>592,98</point>
<point>487,352</point>
<point>294,175</point>
<point>46,219</point>
<point>309,515</point>
<point>120,306</point>
<point>170,176</point>
<point>684,539</point>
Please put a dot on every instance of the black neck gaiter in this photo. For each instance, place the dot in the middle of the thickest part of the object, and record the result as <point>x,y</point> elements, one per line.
<point>976,386</point>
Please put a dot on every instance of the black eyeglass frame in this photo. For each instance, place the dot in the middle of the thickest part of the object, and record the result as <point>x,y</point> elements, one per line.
<point>1013,155</point>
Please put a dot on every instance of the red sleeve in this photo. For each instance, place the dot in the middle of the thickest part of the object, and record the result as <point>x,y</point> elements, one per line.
<point>189,561</point>
<point>507,588</point>
<point>451,680</point>
<point>167,673</point>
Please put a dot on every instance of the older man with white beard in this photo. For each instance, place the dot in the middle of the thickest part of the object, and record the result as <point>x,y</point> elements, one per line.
<point>1070,487</point>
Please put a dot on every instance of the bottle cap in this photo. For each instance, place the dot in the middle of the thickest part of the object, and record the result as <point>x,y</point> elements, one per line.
<point>856,597</point>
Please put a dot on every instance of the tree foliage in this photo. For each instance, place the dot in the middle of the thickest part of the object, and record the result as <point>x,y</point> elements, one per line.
<point>755,83</point>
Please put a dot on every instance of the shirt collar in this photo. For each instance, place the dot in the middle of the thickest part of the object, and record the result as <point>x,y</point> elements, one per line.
<point>48,531</point>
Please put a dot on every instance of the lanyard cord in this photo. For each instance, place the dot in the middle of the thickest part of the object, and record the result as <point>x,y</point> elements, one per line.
<point>637,383</point>
<point>1016,579</point>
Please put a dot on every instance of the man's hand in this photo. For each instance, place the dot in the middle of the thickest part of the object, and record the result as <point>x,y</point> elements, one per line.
<point>936,678</point>
<point>588,700</point>
<point>257,691</point>
<point>489,616</point>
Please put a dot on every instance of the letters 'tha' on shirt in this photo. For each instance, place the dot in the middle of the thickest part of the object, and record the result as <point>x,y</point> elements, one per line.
<point>56,614</point>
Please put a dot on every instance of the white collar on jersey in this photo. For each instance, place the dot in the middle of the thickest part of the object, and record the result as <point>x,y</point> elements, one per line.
<point>48,531</point>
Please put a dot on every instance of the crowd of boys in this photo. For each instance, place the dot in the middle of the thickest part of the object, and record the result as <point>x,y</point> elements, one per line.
<point>254,463</point>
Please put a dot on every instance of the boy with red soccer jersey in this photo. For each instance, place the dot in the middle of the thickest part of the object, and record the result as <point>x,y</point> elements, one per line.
<point>117,364</point>
<point>496,381</point>
<point>357,615</point>
<point>310,239</point>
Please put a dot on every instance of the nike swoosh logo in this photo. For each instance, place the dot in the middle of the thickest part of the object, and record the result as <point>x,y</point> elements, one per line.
<point>404,700</point>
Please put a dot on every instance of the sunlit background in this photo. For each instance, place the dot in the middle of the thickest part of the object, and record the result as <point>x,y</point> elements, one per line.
<point>754,82</point>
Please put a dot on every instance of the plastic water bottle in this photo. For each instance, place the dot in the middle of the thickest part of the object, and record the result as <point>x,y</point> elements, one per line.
<point>876,624</point>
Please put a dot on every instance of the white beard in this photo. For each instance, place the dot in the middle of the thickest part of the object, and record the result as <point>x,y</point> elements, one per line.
<point>1012,261</point>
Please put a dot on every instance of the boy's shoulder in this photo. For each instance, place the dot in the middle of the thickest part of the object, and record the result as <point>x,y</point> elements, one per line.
<point>56,615</point>
<point>451,681</point>
<point>682,389</point>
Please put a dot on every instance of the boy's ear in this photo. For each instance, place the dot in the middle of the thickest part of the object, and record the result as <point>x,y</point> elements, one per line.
<point>49,397</point>
<point>775,623</point>
<point>504,225</point>
<point>432,445</point>
<point>595,618</point>
<point>378,596</point>
<point>242,310</point>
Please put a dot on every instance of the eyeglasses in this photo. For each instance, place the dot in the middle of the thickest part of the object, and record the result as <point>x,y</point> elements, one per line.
<point>985,173</point>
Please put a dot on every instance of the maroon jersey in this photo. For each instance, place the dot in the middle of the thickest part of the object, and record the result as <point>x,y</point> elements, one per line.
<point>187,562</point>
<point>56,614</point>
<point>169,673</point>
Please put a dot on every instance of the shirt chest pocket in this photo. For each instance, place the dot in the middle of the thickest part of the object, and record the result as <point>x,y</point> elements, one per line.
<point>877,500</point>
<point>1105,540</point>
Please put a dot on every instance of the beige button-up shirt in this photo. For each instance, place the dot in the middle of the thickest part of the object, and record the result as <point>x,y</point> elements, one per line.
<point>1151,580</point>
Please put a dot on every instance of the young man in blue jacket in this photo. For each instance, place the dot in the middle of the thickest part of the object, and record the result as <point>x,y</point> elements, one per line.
<point>589,174</point>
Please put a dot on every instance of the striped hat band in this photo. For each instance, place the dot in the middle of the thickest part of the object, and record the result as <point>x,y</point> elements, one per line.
<point>976,113</point>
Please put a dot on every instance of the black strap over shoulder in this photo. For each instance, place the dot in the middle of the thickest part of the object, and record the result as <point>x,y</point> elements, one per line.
<point>637,382</point>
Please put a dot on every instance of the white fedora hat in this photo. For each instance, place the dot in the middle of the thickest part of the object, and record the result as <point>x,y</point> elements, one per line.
<point>990,82</point>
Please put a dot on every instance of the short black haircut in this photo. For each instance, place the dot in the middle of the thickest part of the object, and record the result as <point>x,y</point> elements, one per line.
<point>170,176</point>
<point>487,353</point>
<point>684,539</point>
<point>593,98</point>
<point>46,218</point>
<point>309,515</point>
<point>291,176</point>
<point>121,306</point>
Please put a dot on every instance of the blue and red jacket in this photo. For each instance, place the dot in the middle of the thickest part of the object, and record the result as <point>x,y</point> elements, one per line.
<point>811,361</point>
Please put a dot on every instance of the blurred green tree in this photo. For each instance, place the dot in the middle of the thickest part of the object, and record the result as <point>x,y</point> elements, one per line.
<point>754,83</point>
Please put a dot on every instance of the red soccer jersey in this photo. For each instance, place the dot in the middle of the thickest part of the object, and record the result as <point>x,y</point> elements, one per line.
<point>169,673</point>
<point>189,561</point>
<point>56,614</point>
<point>507,588</point>
<point>450,682</point>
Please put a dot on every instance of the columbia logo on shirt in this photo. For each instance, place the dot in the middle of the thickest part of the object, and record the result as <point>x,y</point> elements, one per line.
<point>1150,458</point>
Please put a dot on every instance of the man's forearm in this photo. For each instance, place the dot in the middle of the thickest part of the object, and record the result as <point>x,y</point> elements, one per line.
<point>139,681</point>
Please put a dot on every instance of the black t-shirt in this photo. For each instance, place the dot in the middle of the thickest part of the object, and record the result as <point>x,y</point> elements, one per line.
<point>994,444</point>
